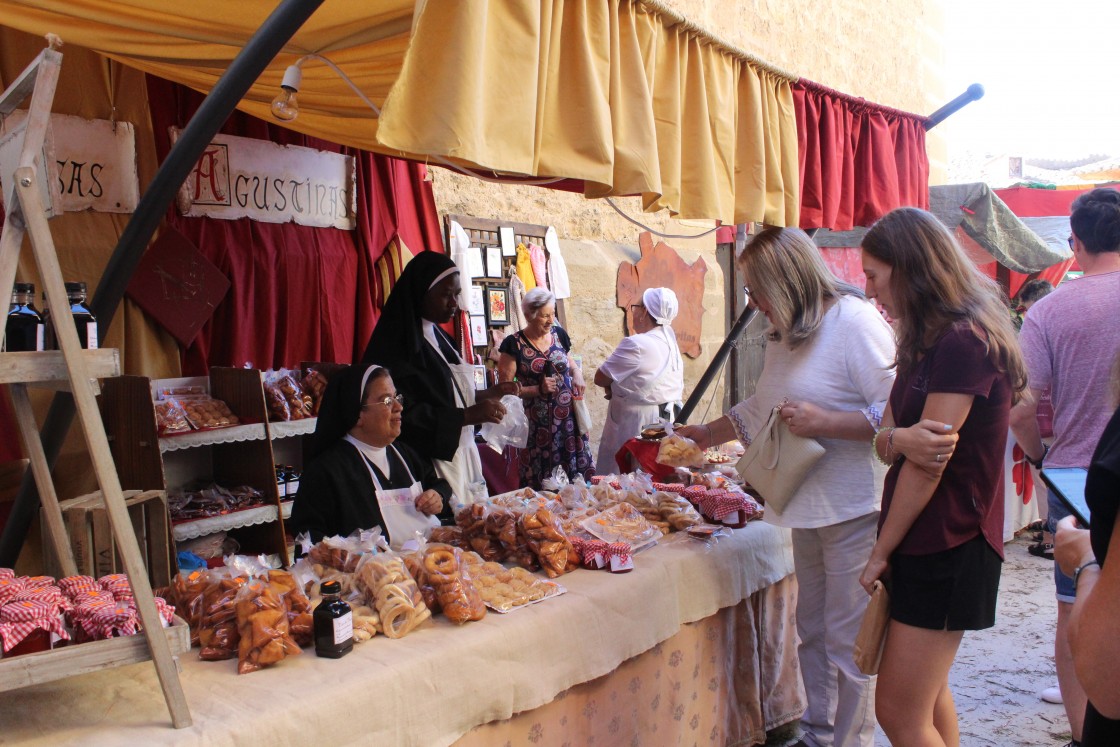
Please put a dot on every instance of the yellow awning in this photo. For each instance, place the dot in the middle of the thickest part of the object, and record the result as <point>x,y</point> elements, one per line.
<point>619,95</point>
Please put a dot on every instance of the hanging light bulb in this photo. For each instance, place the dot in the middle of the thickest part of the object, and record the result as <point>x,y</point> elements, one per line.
<point>285,107</point>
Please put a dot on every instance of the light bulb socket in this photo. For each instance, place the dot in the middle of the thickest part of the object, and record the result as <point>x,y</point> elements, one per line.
<point>293,76</point>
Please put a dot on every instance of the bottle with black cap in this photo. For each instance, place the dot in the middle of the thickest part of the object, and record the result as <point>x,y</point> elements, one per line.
<point>76,296</point>
<point>24,329</point>
<point>333,623</point>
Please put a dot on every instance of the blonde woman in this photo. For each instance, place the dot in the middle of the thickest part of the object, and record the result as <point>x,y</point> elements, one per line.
<point>940,544</point>
<point>829,354</point>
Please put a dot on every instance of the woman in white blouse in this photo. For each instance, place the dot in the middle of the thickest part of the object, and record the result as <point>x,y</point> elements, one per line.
<point>643,377</point>
<point>829,354</point>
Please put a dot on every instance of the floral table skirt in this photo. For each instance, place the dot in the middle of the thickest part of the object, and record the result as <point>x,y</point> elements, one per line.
<point>724,680</point>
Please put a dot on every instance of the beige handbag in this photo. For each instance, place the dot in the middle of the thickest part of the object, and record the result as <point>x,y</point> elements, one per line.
<point>868,649</point>
<point>776,462</point>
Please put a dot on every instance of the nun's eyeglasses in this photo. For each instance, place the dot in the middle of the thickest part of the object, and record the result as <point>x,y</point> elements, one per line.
<point>387,401</point>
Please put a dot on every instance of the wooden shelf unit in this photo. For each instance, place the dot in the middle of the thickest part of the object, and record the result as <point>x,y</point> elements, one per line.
<point>240,455</point>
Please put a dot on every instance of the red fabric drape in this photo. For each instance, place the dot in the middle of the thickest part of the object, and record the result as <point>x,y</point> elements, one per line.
<point>858,160</point>
<point>297,292</point>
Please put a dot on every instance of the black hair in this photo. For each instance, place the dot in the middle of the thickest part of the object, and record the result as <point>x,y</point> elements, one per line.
<point>1095,219</point>
<point>1033,290</point>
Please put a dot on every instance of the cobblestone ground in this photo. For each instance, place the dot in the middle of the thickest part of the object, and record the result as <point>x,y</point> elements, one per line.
<point>999,673</point>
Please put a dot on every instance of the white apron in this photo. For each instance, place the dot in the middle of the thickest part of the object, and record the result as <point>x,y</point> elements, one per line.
<point>630,410</point>
<point>398,506</point>
<point>464,472</point>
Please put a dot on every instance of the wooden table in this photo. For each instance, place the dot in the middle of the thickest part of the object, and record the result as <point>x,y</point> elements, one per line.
<point>726,609</point>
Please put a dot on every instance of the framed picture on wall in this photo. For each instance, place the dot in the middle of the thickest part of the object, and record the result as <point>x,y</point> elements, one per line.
<point>497,305</point>
<point>493,262</point>
<point>478,329</point>
<point>476,301</point>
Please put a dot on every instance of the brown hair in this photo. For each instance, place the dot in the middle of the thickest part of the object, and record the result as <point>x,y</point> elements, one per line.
<point>784,266</point>
<point>935,285</point>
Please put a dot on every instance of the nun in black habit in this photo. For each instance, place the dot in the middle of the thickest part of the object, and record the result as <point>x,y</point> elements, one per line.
<point>443,406</point>
<point>358,478</point>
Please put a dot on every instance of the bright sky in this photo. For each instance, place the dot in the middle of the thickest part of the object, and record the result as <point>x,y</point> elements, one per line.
<point>1050,71</point>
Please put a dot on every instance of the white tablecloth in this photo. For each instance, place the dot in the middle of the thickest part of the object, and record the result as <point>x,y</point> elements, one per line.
<point>429,688</point>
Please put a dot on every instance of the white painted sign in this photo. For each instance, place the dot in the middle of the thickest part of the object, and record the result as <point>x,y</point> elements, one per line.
<point>93,162</point>
<point>238,177</point>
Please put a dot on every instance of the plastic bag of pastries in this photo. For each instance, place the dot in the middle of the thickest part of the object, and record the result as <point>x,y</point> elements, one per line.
<point>185,594</point>
<point>447,536</point>
<point>548,541</point>
<point>677,511</point>
<point>472,520</point>
<point>392,591</point>
<point>262,622</point>
<point>171,418</point>
<point>414,562</point>
<point>217,633</point>
<point>205,412</point>
<point>297,605</point>
<point>448,575</point>
<point>314,383</point>
<point>678,451</point>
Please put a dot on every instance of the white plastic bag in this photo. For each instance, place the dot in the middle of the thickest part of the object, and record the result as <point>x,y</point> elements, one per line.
<point>514,428</point>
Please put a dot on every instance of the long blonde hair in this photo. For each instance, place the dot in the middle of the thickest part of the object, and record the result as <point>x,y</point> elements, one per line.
<point>935,285</point>
<point>784,266</point>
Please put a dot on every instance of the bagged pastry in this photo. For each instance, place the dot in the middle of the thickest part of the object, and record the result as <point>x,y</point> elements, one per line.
<point>678,451</point>
<point>448,575</point>
<point>393,592</point>
<point>262,622</point>
<point>549,543</point>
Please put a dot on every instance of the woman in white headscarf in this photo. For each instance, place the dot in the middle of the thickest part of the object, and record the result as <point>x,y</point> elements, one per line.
<point>643,377</point>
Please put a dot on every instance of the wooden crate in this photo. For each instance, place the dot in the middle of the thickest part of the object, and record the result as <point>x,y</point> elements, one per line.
<point>91,538</point>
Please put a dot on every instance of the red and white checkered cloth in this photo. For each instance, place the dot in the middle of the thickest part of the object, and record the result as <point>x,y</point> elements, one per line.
<point>35,582</point>
<point>9,587</point>
<point>71,585</point>
<point>115,621</point>
<point>719,504</point>
<point>19,619</point>
<point>50,594</point>
<point>621,557</point>
<point>7,573</point>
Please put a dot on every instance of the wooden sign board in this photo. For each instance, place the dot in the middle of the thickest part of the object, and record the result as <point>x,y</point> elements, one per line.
<point>661,267</point>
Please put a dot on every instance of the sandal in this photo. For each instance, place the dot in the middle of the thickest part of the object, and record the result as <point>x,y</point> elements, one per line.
<point>1036,526</point>
<point>1042,550</point>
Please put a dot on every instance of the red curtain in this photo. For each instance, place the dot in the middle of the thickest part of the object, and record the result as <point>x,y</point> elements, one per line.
<point>297,292</point>
<point>858,160</point>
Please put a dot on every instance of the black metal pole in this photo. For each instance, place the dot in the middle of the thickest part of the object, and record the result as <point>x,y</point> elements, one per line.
<point>250,62</point>
<point>717,363</point>
<point>975,92</point>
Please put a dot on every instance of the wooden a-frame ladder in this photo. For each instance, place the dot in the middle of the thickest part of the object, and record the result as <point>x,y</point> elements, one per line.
<point>29,206</point>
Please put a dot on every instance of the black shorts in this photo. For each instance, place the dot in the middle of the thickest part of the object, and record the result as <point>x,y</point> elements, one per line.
<point>949,590</point>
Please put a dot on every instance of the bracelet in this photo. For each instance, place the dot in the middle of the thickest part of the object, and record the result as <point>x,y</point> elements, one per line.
<point>890,444</point>
<point>1038,464</point>
<point>1083,566</point>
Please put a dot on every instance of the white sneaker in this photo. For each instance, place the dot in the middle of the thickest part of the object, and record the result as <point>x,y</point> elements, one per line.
<point>1052,695</point>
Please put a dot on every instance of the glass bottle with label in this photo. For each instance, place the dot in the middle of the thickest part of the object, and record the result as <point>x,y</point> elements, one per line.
<point>24,330</point>
<point>84,320</point>
<point>293,480</point>
<point>333,623</point>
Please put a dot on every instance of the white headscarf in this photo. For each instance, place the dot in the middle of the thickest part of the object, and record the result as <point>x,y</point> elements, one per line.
<point>661,303</point>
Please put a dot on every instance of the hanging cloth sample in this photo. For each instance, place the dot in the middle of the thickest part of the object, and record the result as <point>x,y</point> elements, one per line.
<point>525,268</point>
<point>539,261</point>
<point>557,268</point>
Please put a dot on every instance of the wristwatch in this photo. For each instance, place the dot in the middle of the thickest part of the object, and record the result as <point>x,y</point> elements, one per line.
<point>1038,464</point>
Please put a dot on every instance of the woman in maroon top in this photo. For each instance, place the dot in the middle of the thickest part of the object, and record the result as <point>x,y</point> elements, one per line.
<point>940,542</point>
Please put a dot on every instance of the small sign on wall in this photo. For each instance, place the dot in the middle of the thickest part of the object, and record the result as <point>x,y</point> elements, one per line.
<point>239,177</point>
<point>92,162</point>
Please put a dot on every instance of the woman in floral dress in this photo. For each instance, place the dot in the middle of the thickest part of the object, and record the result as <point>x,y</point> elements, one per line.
<point>538,358</point>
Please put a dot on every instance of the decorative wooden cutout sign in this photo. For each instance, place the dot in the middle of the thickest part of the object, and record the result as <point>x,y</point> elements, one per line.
<point>661,267</point>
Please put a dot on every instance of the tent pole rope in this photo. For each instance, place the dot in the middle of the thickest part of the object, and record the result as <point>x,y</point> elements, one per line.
<point>276,31</point>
